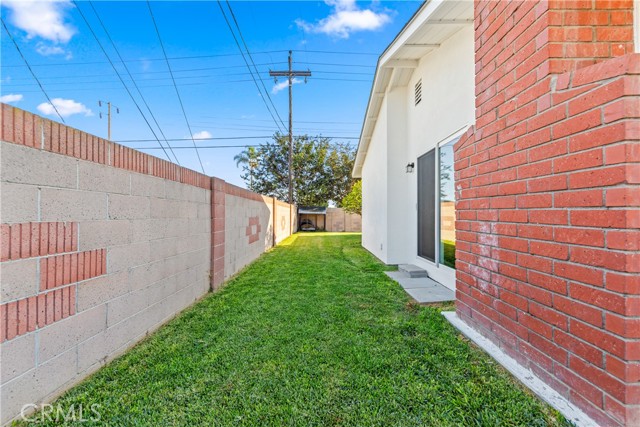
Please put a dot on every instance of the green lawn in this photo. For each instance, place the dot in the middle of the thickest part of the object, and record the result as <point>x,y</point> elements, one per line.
<point>312,334</point>
<point>448,249</point>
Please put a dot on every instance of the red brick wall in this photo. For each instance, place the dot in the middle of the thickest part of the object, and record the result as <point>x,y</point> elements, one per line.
<point>547,209</point>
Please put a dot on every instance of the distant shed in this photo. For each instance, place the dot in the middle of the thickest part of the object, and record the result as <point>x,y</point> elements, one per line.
<point>318,218</point>
<point>312,218</point>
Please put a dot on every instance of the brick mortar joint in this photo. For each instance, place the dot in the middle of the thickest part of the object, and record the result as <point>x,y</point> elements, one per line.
<point>555,309</point>
<point>568,316</point>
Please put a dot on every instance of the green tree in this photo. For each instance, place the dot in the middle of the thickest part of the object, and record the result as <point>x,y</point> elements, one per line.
<point>321,169</point>
<point>352,202</point>
<point>248,157</point>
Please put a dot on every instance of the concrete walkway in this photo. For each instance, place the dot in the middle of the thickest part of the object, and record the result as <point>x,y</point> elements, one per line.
<point>422,289</point>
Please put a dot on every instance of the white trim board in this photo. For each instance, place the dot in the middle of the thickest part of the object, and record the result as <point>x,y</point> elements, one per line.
<point>524,375</point>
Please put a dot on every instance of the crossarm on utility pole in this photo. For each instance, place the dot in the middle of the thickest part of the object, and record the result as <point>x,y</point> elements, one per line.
<point>292,73</point>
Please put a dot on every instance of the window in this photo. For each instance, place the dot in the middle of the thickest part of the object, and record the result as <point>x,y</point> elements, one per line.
<point>418,92</point>
<point>447,207</point>
<point>436,206</point>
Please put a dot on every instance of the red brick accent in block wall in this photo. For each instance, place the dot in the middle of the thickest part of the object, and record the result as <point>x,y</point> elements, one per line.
<point>32,239</point>
<point>55,299</point>
<point>28,314</point>
<point>217,231</point>
<point>548,198</point>
<point>24,128</point>
<point>62,270</point>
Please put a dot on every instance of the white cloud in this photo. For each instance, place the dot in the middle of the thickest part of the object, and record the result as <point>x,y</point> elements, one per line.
<point>66,107</point>
<point>43,19</point>
<point>48,50</point>
<point>11,97</point>
<point>283,85</point>
<point>203,134</point>
<point>346,18</point>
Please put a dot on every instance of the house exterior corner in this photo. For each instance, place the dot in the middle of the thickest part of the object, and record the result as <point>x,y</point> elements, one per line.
<point>544,145</point>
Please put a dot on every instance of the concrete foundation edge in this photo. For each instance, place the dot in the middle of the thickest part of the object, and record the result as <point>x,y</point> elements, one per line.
<point>524,375</point>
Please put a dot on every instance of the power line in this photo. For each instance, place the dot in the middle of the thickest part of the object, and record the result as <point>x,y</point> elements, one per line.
<point>256,130</point>
<point>184,113</point>
<point>199,84</point>
<point>258,127</point>
<point>174,58</point>
<point>344,72</point>
<point>200,139</point>
<point>224,15</point>
<point>120,77</point>
<point>176,78</point>
<point>149,72</point>
<point>230,138</point>
<point>188,147</point>
<point>219,55</point>
<point>187,70</point>
<point>114,81</point>
<point>254,64</point>
<point>32,73</point>
<point>264,120</point>
<point>104,28</point>
<point>206,147</point>
<point>335,64</point>
<point>339,52</point>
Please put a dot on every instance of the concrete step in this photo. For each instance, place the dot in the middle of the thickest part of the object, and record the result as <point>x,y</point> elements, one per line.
<point>412,271</point>
<point>422,289</point>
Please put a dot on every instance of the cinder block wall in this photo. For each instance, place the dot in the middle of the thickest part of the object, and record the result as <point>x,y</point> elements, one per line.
<point>247,224</point>
<point>339,220</point>
<point>285,220</point>
<point>248,227</point>
<point>547,206</point>
<point>99,245</point>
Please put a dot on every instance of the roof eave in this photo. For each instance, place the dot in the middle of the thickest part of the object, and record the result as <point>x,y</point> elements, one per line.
<point>386,60</point>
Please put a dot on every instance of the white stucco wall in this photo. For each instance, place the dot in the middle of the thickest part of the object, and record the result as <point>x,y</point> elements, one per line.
<point>397,178</point>
<point>447,109</point>
<point>403,133</point>
<point>374,193</point>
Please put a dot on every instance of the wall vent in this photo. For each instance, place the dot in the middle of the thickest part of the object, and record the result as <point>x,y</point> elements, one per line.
<point>418,91</point>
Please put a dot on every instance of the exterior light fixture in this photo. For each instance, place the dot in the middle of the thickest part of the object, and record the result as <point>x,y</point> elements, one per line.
<point>410,167</point>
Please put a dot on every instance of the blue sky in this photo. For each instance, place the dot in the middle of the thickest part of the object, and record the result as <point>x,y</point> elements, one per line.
<point>338,40</point>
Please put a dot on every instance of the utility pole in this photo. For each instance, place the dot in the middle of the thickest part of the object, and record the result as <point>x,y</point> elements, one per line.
<point>290,74</point>
<point>108,116</point>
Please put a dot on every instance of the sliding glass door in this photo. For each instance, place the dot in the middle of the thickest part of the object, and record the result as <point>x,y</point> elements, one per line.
<point>436,206</point>
<point>427,206</point>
